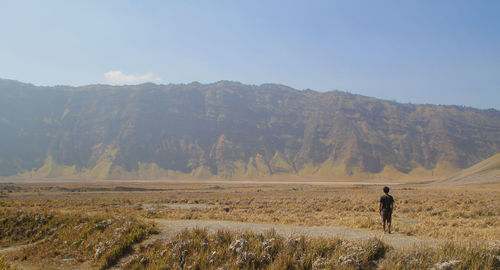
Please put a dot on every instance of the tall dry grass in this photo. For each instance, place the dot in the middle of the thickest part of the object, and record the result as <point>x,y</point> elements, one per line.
<point>197,249</point>
<point>70,237</point>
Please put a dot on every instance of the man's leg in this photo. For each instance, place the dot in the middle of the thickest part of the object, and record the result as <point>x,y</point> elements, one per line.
<point>389,221</point>
<point>382,215</point>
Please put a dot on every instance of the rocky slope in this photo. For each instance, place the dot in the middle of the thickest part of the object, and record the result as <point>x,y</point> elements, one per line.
<point>228,129</point>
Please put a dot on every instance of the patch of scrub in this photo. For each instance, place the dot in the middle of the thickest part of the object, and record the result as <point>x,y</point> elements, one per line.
<point>177,206</point>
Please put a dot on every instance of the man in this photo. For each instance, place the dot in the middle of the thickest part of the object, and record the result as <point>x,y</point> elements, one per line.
<point>385,208</point>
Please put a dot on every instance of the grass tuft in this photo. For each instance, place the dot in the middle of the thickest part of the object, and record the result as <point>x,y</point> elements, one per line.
<point>197,249</point>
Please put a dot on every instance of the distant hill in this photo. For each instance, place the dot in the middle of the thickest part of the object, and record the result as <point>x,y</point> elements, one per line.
<point>228,129</point>
<point>486,171</point>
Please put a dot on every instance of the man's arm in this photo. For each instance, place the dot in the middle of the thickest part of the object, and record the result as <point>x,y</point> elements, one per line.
<point>380,207</point>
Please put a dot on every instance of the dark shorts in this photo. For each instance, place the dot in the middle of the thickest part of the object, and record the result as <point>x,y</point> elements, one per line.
<point>386,215</point>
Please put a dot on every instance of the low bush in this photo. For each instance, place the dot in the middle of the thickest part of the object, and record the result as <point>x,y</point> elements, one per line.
<point>100,239</point>
<point>197,249</point>
<point>448,256</point>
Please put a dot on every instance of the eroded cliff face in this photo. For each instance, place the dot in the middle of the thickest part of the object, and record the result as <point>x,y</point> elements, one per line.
<point>228,129</point>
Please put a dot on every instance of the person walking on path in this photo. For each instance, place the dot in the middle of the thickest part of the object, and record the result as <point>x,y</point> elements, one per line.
<point>385,209</point>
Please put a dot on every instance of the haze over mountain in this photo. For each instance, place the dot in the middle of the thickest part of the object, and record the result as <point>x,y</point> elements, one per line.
<point>228,129</point>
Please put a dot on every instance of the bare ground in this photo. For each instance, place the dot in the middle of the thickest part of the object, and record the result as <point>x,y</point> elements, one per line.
<point>4,250</point>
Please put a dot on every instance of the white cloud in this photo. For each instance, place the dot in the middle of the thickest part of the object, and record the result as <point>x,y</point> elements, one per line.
<point>118,77</point>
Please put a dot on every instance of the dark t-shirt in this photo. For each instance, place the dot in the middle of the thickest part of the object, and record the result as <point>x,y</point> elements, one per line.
<point>386,201</point>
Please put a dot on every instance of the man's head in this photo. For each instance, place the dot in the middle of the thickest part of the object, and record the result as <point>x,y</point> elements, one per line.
<point>386,189</point>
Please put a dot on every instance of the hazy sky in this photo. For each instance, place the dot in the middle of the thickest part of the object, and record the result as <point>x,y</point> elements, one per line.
<point>440,52</point>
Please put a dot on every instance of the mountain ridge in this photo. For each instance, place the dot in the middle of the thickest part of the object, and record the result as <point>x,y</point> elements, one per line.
<point>307,90</point>
<point>229,129</point>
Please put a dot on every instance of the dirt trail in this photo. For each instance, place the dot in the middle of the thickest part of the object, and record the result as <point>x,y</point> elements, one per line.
<point>4,250</point>
<point>169,228</point>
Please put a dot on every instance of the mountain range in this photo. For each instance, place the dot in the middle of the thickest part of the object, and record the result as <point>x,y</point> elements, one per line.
<point>231,130</point>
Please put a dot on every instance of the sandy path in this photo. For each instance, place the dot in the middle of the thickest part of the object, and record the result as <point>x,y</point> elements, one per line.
<point>169,228</point>
<point>4,250</point>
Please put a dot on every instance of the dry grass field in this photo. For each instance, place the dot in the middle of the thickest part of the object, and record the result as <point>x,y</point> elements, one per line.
<point>97,224</point>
